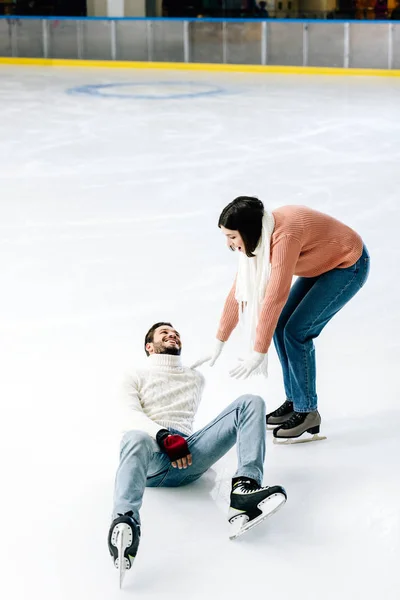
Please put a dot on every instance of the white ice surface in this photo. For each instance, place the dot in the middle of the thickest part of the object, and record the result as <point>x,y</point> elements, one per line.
<point>108,223</point>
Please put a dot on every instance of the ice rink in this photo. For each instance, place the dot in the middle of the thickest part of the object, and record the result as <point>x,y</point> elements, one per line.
<point>111,185</point>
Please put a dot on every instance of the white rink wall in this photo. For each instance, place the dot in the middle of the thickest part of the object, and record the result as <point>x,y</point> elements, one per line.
<point>282,42</point>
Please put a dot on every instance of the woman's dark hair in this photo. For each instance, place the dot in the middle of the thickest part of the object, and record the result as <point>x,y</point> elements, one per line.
<point>244,214</point>
<point>149,337</point>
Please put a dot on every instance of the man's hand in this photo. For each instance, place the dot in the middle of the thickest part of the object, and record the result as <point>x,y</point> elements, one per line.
<point>183,463</point>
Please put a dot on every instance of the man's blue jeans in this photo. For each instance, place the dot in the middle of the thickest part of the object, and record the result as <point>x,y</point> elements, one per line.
<point>312,302</point>
<point>142,463</point>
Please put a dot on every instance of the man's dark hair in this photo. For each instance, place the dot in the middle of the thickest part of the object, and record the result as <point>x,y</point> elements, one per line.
<point>244,214</point>
<point>149,337</point>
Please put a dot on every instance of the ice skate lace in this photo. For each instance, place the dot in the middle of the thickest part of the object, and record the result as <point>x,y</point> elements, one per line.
<point>295,419</point>
<point>247,487</point>
<point>286,407</point>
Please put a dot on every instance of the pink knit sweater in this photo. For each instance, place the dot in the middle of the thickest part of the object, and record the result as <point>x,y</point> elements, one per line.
<point>305,242</point>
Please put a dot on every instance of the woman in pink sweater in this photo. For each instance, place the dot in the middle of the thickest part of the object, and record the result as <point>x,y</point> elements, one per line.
<point>332,264</point>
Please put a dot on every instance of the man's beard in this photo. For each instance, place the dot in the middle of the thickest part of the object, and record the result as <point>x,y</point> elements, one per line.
<point>172,350</point>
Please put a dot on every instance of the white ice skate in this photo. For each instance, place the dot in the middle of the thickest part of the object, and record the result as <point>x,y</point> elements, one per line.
<point>123,542</point>
<point>252,504</point>
<point>122,539</point>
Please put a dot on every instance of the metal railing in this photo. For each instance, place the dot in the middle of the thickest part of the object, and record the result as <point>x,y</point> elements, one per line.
<point>320,43</point>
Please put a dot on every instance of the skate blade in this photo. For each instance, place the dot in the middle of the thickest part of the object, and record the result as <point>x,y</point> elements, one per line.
<point>269,506</point>
<point>122,539</point>
<point>300,440</point>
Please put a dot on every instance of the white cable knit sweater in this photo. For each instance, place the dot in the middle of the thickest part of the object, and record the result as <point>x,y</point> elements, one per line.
<point>165,395</point>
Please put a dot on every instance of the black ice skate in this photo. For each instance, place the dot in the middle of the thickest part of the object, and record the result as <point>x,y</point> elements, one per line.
<point>251,504</point>
<point>280,415</point>
<point>123,542</point>
<point>301,427</point>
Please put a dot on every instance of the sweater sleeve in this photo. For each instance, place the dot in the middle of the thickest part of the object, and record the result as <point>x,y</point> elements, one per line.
<point>284,258</point>
<point>230,316</point>
<point>133,415</point>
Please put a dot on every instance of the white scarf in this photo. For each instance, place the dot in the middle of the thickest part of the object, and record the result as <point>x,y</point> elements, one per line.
<point>251,283</point>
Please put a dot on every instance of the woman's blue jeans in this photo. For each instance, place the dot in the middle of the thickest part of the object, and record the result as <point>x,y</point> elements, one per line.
<point>312,302</point>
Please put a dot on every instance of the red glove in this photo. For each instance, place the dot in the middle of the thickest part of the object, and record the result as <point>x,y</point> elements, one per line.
<point>175,446</point>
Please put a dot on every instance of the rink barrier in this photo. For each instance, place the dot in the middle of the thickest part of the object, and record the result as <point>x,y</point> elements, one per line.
<point>199,67</point>
<point>251,45</point>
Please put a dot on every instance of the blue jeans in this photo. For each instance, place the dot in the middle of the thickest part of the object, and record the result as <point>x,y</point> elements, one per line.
<point>142,463</point>
<point>312,302</point>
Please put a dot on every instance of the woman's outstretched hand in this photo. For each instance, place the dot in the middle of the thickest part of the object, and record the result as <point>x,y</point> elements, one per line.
<point>212,357</point>
<point>246,367</point>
